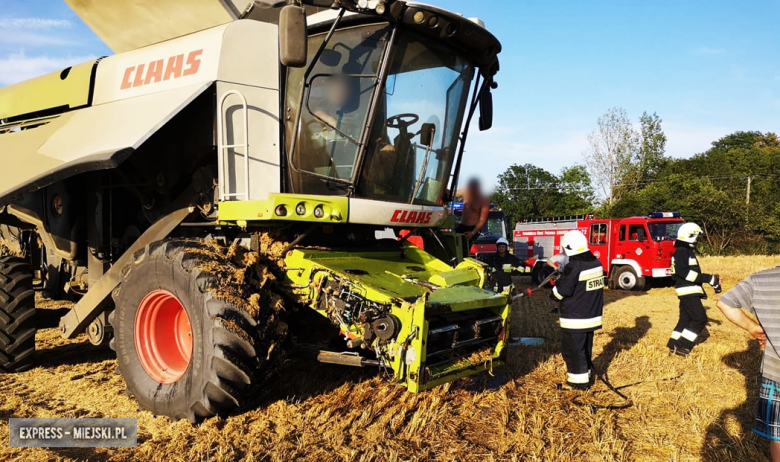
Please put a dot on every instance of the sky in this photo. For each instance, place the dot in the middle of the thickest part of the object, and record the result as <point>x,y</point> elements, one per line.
<point>707,68</point>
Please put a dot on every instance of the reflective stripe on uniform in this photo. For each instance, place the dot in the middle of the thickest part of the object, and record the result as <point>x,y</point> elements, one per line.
<point>690,290</point>
<point>676,335</point>
<point>688,335</point>
<point>592,273</point>
<point>692,276</point>
<point>556,294</point>
<point>570,323</point>
<point>579,378</point>
<point>693,262</point>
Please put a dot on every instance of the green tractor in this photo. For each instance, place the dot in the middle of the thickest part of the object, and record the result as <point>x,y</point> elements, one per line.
<point>196,195</point>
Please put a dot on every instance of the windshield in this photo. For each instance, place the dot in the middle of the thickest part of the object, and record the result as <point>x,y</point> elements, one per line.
<point>424,99</point>
<point>426,89</point>
<point>494,225</point>
<point>664,231</point>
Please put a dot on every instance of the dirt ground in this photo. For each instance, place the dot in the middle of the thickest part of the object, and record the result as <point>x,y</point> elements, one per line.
<point>699,408</point>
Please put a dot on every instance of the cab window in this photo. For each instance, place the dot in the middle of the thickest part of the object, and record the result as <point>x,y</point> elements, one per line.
<point>598,234</point>
<point>622,235</point>
<point>637,233</point>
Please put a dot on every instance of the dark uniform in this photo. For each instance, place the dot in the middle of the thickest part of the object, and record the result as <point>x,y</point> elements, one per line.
<point>501,278</point>
<point>581,291</point>
<point>688,279</point>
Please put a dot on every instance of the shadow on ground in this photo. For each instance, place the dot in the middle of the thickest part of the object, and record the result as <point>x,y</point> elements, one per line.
<point>623,339</point>
<point>730,436</point>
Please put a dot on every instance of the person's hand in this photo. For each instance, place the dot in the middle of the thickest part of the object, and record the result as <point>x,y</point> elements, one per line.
<point>469,235</point>
<point>715,283</point>
<point>758,333</point>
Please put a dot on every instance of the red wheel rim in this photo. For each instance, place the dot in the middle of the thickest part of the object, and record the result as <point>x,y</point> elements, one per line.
<point>163,336</point>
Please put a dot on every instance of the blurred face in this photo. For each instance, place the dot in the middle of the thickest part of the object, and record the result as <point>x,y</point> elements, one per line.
<point>338,92</point>
<point>501,249</point>
<point>474,188</point>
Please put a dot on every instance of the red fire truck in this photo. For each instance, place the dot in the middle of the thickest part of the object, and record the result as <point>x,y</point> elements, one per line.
<point>630,249</point>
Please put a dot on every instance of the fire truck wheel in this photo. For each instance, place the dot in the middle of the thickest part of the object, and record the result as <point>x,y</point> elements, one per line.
<point>17,315</point>
<point>540,272</point>
<point>627,279</point>
<point>185,351</point>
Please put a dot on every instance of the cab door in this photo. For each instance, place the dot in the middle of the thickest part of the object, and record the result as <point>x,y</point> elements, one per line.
<point>633,242</point>
<point>598,242</point>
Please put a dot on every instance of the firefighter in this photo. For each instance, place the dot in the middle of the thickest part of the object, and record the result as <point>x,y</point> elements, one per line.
<point>581,293</point>
<point>504,266</point>
<point>688,280</point>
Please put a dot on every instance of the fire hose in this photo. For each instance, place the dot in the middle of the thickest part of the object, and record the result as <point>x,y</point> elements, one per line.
<point>554,276</point>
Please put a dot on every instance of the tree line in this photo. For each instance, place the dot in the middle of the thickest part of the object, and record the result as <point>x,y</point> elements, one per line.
<point>730,190</point>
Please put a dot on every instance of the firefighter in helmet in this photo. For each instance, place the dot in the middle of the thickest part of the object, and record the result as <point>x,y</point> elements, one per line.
<point>503,264</point>
<point>581,293</point>
<point>688,280</point>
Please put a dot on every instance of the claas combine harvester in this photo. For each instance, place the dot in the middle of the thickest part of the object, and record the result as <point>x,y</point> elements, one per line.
<point>235,167</point>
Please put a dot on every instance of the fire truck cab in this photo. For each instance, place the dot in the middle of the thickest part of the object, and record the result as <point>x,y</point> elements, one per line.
<point>630,249</point>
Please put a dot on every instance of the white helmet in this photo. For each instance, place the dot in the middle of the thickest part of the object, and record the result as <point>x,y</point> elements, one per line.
<point>502,241</point>
<point>689,232</point>
<point>574,243</point>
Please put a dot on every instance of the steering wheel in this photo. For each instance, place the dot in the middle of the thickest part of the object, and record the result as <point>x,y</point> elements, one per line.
<point>402,121</point>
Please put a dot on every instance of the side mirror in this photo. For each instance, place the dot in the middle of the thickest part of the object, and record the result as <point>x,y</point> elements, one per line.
<point>293,36</point>
<point>485,110</point>
<point>426,134</point>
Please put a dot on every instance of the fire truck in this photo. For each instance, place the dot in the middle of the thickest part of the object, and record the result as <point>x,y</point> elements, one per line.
<point>484,245</point>
<point>630,249</point>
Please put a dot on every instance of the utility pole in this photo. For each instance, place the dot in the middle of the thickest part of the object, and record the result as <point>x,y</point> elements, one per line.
<point>747,199</point>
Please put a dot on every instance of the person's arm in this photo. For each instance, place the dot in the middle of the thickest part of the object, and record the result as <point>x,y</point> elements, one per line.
<point>738,317</point>
<point>682,269</point>
<point>731,304</point>
<point>565,286</point>
<point>483,217</point>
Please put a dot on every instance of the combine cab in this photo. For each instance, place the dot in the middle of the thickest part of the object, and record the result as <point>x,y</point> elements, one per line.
<point>194,193</point>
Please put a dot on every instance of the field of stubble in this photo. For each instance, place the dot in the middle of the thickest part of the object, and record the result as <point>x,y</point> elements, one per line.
<point>699,408</point>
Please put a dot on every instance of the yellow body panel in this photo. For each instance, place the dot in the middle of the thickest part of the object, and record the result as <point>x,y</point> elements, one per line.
<point>48,91</point>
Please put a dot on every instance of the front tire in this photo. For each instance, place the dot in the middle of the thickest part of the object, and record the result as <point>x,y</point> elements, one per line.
<point>17,315</point>
<point>189,343</point>
<point>627,279</point>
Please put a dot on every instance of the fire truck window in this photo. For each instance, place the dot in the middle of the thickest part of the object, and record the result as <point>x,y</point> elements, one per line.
<point>622,236</point>
<point>598,234</point>
<point>637,233</point>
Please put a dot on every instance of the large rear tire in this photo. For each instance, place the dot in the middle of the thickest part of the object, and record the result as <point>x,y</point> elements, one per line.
<point>17,315</point>
<point>190,344</point>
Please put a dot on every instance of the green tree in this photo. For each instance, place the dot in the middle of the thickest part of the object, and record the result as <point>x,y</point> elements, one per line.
<point>730,190</point>
<point>528,191</point>
<point>652,146</point>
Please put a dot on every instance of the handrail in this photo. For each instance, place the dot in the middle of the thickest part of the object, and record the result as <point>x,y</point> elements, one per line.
<point>222,147</point>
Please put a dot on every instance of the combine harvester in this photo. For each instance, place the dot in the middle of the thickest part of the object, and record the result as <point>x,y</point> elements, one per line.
<point>196,191</point>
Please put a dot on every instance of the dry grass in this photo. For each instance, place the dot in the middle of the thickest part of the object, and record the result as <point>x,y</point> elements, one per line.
<point>327,413</point>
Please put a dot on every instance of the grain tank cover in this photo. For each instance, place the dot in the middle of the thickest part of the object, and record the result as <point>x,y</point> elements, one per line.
<point>127,25</point>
